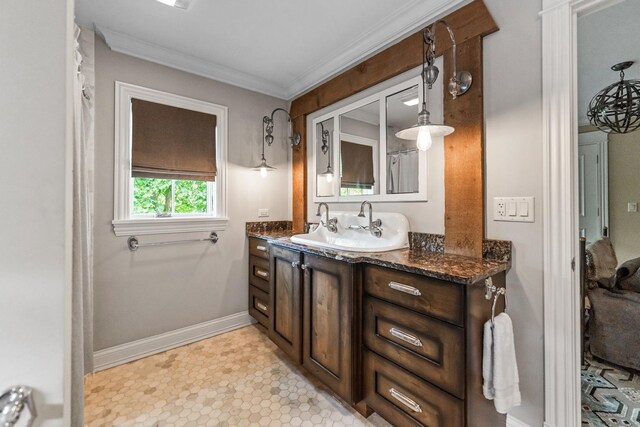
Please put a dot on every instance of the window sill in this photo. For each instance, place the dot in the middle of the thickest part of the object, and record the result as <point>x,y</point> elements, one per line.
<point>129,227</point>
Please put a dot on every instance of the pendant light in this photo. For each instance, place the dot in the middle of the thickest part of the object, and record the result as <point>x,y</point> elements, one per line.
<point>326,149</point>
<point>424,131</point>
<point>616,108</point>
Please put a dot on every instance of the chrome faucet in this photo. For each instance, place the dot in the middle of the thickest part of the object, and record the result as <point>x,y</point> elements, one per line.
<point>330,223</point>
<point>374,226</point>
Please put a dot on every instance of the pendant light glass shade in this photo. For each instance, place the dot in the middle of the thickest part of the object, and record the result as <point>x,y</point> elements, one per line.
<point>263,167</point>
<point>424,131</point>
<point>328,174</point>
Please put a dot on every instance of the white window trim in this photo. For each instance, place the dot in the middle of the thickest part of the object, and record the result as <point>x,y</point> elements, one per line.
<point>123,223</point>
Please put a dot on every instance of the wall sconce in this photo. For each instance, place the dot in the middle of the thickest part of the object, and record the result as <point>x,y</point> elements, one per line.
<point>267,127</point>
<point>616,108</point>
<point>424,131</point>
<point>326,149</point>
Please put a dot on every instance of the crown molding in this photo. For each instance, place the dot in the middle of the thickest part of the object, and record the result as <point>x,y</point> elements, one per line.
<point>413,16</point>
<point>142,49</point>
<point>406,20</point>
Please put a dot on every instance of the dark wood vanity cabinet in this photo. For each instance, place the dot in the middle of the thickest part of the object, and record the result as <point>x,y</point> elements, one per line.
<point>422,362</point>
<point>285,327</point>
<point>310,312</point>
<point>328,327</point>
<point>401,344</point>
<point>259,275</point>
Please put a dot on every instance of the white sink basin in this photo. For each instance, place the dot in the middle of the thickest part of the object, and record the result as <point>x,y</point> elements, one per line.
<point>395,228</point>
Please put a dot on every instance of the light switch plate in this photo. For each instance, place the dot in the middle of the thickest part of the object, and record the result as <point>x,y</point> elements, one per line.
<point>263,213</point>
<point>513,209</point>
<point>632,207</point>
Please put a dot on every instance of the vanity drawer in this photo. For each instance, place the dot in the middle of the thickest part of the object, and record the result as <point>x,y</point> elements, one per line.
<point>259,273</point>
<point>259,247</point>
<point>404,399</point>
<point>259,305</point>
<point>437,298</point>
<point>427,347</point>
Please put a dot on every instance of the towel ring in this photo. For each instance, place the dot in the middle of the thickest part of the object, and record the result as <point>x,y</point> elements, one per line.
<point>498,292</point>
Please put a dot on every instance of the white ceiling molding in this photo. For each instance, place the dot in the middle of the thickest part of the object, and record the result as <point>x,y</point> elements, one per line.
<point>414,15</point>
<point>407,19</point>
<point>129,45</point>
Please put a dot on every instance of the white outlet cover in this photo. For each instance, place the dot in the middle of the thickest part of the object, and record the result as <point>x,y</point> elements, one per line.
<point>263,213</point>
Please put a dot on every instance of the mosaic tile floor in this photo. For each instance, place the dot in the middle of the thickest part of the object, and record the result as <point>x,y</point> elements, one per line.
<point>235,379</point>
<point>610,395</point>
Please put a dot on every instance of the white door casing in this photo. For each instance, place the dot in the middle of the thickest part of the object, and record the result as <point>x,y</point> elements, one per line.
<point>560,209</point>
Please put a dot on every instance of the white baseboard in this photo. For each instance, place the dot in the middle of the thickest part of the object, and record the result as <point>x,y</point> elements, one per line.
<point>514,422</point>
<point>120,354</point>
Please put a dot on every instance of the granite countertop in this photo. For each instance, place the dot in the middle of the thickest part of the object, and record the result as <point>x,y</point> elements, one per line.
<point>454,268</point>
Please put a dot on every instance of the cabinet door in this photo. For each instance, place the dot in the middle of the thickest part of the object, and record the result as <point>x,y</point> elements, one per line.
<point>328,323</point>
<point>286,303</point>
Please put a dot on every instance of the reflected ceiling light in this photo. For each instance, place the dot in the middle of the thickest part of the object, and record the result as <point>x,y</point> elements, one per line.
<point>616,108</point>
<point>411,101</point>
<point>424,131</point>
<point>180,4</point>
<point>326,149</point>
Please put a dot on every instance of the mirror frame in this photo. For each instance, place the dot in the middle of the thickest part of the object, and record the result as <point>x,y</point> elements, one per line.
<point>382,196</point>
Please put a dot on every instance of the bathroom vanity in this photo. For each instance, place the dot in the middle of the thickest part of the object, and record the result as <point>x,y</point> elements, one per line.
<point>398,332</point>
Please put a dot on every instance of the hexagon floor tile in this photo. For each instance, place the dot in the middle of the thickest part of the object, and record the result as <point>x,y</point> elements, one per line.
<point>236,379</point>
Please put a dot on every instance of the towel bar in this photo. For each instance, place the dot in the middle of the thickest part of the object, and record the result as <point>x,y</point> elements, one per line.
<point>133,244</point>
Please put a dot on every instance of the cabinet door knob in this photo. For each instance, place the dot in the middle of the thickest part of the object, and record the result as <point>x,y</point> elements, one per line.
<point>261,306</point>
<point>304,266</point>
<point>261,248</point>
<point>295,264</point>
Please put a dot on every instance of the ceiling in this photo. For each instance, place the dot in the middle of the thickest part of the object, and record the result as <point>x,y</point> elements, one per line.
<point>278,47</point>
<point>606,37</point>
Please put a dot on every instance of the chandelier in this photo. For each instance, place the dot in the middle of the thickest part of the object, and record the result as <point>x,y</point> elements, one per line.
<point>616,108</point>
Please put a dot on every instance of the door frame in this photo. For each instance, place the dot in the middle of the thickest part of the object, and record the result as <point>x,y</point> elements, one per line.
<point>560,213</point>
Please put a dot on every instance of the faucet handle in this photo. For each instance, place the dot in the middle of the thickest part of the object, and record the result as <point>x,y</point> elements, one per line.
<point>377,223</point>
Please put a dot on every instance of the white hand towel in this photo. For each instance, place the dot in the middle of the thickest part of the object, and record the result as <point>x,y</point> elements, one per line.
<point>501,370</point>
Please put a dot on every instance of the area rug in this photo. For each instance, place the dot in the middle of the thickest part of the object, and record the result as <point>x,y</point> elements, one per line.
<point>610,396</point>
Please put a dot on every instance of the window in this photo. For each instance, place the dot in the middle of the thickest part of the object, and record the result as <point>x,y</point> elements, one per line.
<point>170,163</point>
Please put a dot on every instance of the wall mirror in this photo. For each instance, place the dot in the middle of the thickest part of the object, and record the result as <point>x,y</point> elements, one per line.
<point>357,155</point>
<point>360,150</point>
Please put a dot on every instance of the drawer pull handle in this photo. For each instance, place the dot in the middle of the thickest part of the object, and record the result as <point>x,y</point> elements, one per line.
<point>261,306</point>
<point>405,288</point>
<point>261,248</point>
<point>409,403</point>
<point>262,273</point>
<point>405,337</point>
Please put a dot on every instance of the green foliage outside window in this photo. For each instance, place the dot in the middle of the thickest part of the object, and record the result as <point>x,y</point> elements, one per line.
<point>166,196</point>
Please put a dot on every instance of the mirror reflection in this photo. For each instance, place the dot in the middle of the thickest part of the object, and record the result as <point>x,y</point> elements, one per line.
<point>402,154</point>
<point>359,151</point>
<point>324,160</point>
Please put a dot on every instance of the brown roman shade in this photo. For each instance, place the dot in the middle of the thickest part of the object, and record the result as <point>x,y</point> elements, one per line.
<point>172,143</point>
<point>357,165</point>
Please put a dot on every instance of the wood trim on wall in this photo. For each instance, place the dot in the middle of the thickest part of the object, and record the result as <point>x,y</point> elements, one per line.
<point>464,165</point>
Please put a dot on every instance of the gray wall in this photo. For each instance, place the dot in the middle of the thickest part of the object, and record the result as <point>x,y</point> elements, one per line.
<point>35,136</point>
<point>156,290</point>
<point>513,167</point>
<point>513,156</point>
<point>624,188</point>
